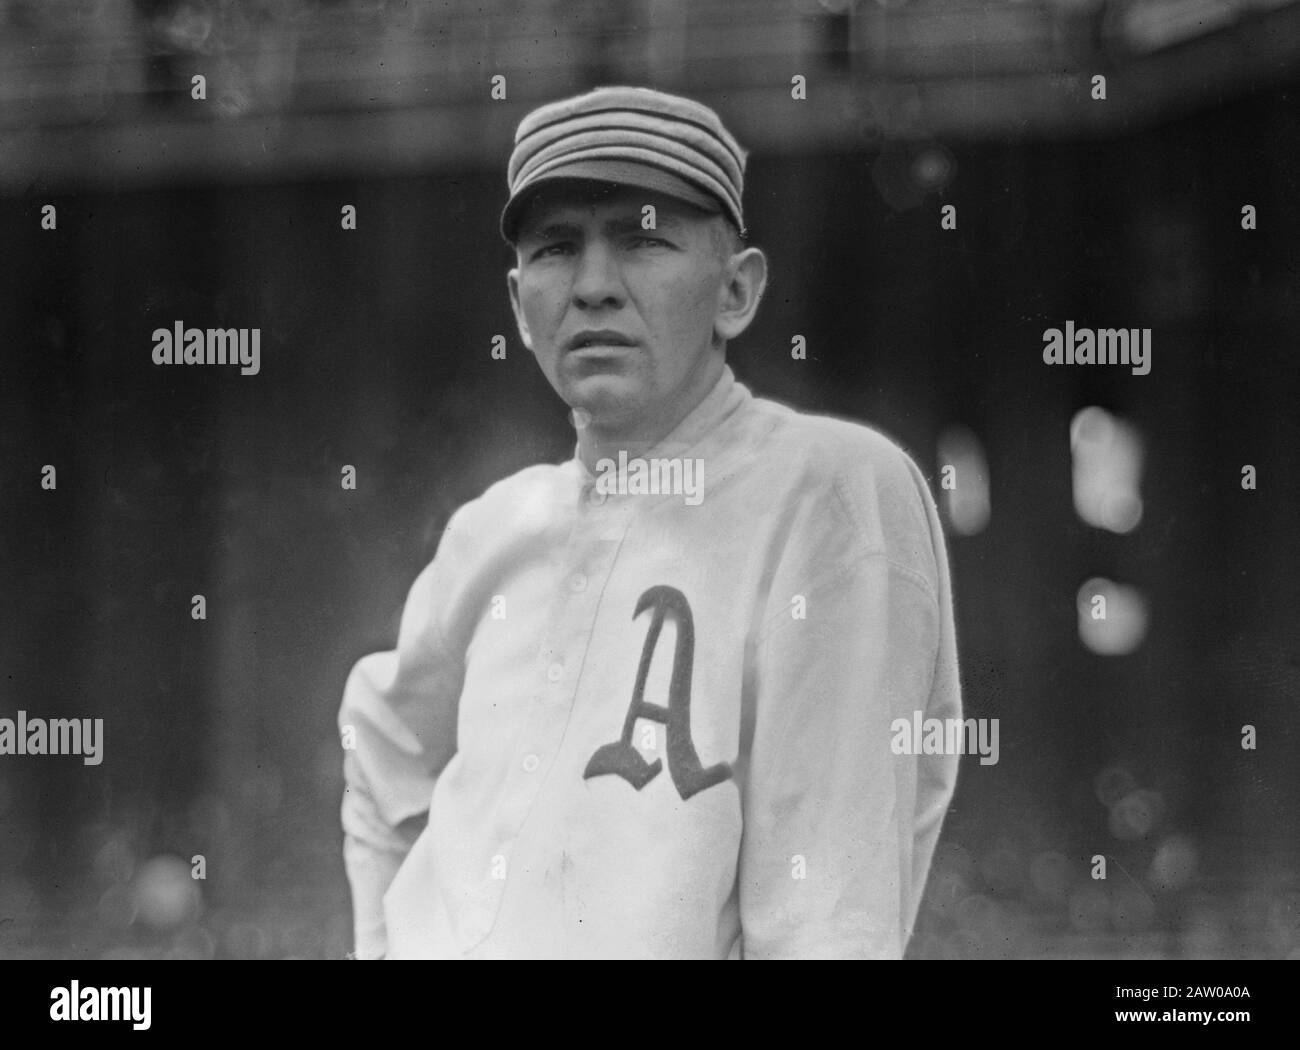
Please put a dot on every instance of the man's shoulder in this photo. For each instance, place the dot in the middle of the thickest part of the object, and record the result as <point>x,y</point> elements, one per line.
<point>839,452</point>
<point>526,496</point>
<point>853,479</point>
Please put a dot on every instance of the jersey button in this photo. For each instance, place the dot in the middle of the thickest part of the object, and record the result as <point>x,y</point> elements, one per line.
<point>531,762</point>
<point>577,583</point>
<point>555,672</point>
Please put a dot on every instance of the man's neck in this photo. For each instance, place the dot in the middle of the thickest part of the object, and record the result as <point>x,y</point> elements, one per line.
<point>597,441</point>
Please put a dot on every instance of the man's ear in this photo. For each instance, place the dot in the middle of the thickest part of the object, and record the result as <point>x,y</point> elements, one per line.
<point>512,280</point>
<point>744,280</point>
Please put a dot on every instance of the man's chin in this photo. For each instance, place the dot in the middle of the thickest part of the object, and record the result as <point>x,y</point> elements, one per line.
<point>605,400</point>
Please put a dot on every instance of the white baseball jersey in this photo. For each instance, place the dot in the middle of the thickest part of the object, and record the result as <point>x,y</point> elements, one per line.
<point>643,727</point>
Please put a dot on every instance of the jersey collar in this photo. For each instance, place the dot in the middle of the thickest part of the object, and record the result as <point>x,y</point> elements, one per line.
<point>725,397</point>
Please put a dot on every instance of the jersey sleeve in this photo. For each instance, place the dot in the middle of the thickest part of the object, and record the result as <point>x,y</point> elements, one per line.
<point>397,723</point>
<point>840,830</point>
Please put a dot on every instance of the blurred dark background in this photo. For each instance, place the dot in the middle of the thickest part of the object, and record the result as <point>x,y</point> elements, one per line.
<point>1120,738</point>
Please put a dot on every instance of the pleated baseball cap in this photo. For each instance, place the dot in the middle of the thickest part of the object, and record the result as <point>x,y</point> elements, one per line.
<point>631,136</point>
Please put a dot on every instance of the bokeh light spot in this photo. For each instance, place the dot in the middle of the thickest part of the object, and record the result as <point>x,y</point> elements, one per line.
<point>1107,454</point>
<point>164,892</point>
<point>966,503</point>
<point>1136,814</point>
<point>1115,625</point>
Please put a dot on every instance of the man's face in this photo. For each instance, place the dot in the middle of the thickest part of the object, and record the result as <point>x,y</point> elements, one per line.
<point>620,318</point>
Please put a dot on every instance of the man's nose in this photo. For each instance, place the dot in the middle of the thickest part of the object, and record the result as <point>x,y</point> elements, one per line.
<point>597,282</point>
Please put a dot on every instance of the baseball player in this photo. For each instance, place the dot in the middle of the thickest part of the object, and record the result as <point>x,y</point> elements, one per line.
<point>641,701</point>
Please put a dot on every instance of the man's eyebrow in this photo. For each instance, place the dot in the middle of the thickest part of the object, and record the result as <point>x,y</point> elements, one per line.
<point>621,224</point>
<point>552,231</point>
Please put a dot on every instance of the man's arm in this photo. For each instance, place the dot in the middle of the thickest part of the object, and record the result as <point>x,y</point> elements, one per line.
<point>839,830</point>
<point>397,722</point>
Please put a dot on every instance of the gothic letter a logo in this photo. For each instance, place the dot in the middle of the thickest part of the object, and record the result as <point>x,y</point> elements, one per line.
<point>621,758</point>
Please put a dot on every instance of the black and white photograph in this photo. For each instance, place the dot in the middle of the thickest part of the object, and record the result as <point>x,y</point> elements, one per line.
<point>651,480</point>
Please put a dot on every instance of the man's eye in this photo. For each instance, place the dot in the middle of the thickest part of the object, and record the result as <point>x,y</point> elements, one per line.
<point>641,240</point>
<point>555,248</point>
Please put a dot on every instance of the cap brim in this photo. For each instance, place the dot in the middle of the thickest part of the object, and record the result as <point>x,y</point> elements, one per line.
<point>614,172</point>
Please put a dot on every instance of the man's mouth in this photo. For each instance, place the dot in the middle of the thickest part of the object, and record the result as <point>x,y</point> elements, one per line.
<point>603,338</point>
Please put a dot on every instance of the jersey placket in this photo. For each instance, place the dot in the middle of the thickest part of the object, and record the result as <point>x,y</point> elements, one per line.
<point>600,525</point>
